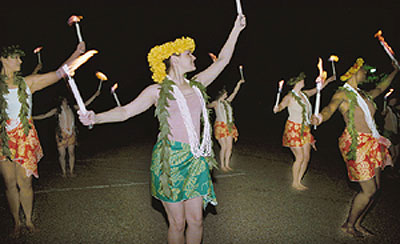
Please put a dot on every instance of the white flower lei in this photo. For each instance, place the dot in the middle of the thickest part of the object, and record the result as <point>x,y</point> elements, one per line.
<point>197,149</point>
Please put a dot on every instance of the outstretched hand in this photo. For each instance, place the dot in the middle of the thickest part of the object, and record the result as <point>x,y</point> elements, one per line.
<point>88,118</point>
<point>81,47</point>
<point>240,22</point>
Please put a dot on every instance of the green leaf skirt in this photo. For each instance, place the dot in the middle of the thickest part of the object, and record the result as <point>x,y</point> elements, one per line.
<point>190,176</point>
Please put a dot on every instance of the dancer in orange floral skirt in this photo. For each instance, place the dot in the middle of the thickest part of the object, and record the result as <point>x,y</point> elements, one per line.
<point>224,128</point>
<point>297,135</point>
<point>363,149</point>
<point>20,148</point>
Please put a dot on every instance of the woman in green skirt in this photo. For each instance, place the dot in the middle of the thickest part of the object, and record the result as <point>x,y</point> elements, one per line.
<point>182,157</point>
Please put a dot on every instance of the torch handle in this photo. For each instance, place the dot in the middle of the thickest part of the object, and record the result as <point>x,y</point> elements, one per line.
<point>317,103</point>
<point>78,32</point>
<point>239,7</point>
<point>277,98</point>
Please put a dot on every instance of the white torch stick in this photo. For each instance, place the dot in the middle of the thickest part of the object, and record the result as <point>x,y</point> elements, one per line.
<point>278,95</point>
<point>239,7</point>
<point>113,88</point>
<point>75,20</point>
<point>319,81</point>
<point>241,72</point>
<point>333,59</point>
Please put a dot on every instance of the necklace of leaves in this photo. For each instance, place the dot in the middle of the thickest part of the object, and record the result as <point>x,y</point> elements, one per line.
<point>303,112</point>
<point>162,114</point>
<point>351,128</point>
<point>228,112</point>
<point>23,112</point>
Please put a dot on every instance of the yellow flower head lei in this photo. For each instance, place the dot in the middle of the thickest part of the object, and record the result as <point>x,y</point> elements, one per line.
<point>357,65</point>
<point>159,53</point>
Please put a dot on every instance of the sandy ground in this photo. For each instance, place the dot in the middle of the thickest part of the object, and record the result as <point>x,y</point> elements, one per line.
<point>109,202</point>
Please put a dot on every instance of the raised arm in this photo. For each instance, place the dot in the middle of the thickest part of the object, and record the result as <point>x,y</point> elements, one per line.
<point>282,105</point>
<point>144,101</point>
<point>212,105</point>
<point>235,91</point>
<point>312,92</point>
<point>45,115</point>
<point>383,85</point>
<point>37,82</point>
<point>208,75</point>
<point>329,110</point>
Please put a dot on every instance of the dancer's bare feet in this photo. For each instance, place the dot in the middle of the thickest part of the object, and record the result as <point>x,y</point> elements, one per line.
<point>229,168</point>
<point>351,231</point>
<point>64,175</point>
<point>223,168</point>
<point>31,227</point>
<point>72,174</point>
<point>17,231</point>
<point>364,230</point>
<point>299,187</point>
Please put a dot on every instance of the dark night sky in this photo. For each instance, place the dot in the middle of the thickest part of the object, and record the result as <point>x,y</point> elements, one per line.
<point>281,40</point>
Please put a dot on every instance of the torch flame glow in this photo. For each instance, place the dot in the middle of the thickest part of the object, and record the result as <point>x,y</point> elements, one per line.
<point>281,84</point>
<point>114,87</point>
<point>322,73</point>
<point>81,60</point>
<point>73,19</point>
<point>101,76</point>
<point>382,40</point>
<point>389,92</point>
<point>213,57</point>
<point>333,58</point>
<point>37,50</point>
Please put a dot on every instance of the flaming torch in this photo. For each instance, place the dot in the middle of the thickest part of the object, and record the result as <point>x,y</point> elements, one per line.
<point>241,72</point>
<point>278,95</point>
<point>213,57</point>
<point>386,96</point>
<point>75,20</point>
<point>333,59</point>
<point>387,48</point>
<point>319,82</point>
<point>37,52</point>
<point>113,88</point>
<point>102,77</point>
<point>239,7</point>
<point>70,71</point>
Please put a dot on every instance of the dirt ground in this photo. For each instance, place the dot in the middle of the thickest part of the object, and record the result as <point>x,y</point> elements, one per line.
<point>109,201</point>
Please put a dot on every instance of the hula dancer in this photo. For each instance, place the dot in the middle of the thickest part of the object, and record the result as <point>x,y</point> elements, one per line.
<point>66,132</point>
<point>224,128</point>
<point>20,147</point>
<point>297,134</point>
<point>182,158</point>
<point>364,151</point>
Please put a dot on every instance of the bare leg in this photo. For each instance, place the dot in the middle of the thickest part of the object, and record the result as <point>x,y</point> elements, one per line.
<point>61,159</point>
<point>358,223</point>
<point>228,152</point>
<point>304,164</point>
<point>71,158</point>
<point>8,170</point>
<point>194,218</point>
<point>360,203</point>
<point>298,154</point>
<point>26,196</point>
<point>222,143</point>
<point>176,219</point>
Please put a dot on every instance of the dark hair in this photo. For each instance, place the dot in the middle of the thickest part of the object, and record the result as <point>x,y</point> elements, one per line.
<point>11,50</point>
<point>221,93</point>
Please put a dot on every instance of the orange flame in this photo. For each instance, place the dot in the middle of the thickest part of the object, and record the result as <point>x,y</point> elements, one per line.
<point>333,58</point>
<point>114,87</point>
<point>389,92</point>
<point>74,19</point>
<point>101,76</point>
<point>37,50</point>
<point>322,73</point>
<point>81,60</point>
<point>213,57</point>
<point>281,84</point>
<point>382,40</point>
